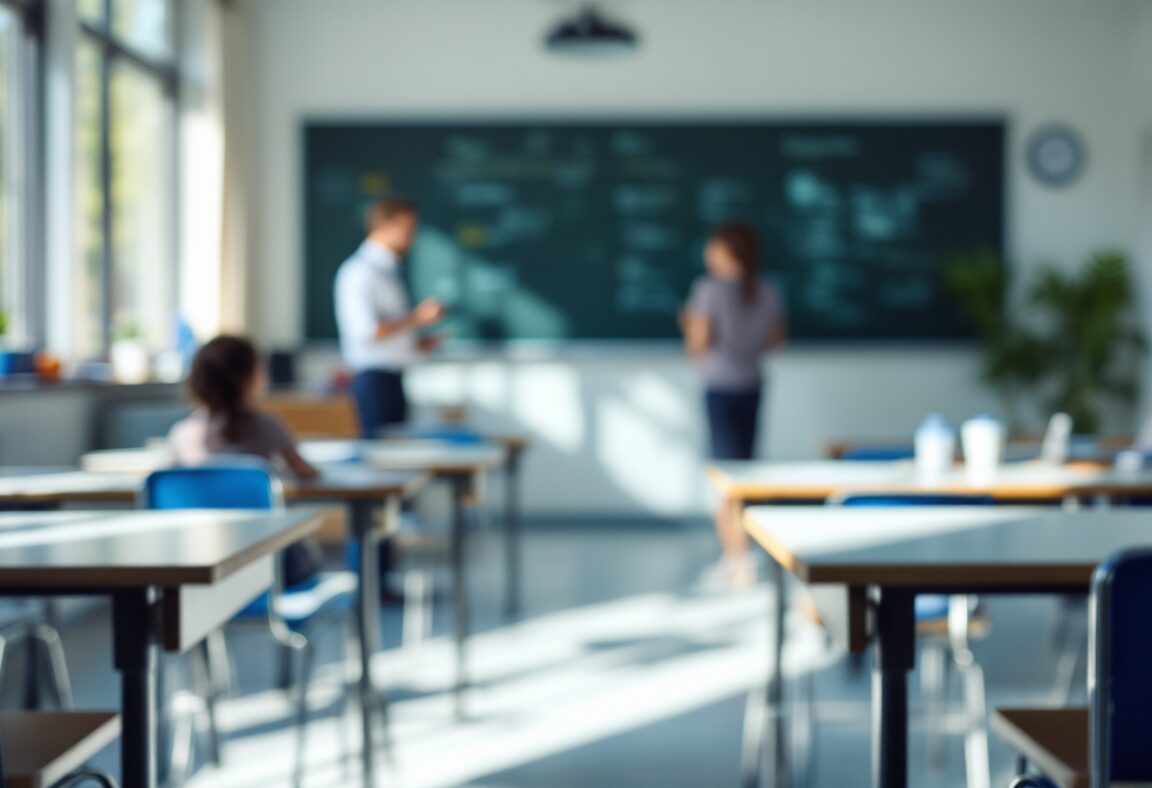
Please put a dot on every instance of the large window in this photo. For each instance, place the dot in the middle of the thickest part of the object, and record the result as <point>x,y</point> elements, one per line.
<point>126,82</point>
<point>19,26</point>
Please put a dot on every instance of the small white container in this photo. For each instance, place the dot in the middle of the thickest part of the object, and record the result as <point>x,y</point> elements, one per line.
<point>935,448</point>
<point>1129,462</point>
<point>983,441</point>
<point>131,362</point>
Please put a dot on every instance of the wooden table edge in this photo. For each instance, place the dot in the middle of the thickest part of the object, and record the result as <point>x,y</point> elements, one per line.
<point>1002,723</point>
<point>308,525</point>
<point>406,489</point>
<point>97,580</point>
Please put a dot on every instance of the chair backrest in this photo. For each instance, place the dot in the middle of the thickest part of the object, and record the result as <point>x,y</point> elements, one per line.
<point>316,417</point>
<point>226,483</point>
<point>865,453</point>
<point>1120,669</point>
<point>879,500</point>
<point>449,433</point>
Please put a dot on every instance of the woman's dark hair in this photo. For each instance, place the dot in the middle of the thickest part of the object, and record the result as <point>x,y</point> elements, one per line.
<point>743,244</point>
<point>221,373</point>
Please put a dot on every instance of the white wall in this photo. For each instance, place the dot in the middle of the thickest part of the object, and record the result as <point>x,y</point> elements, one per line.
<point>622,434</point>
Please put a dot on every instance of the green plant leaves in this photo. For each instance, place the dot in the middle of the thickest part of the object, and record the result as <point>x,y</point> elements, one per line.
<point>1082,357</point>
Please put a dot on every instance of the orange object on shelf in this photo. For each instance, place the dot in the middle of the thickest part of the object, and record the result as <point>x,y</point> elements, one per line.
<point>48,366</point>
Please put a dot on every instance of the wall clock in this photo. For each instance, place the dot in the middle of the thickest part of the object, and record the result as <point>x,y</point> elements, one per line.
<point>1056,155</point>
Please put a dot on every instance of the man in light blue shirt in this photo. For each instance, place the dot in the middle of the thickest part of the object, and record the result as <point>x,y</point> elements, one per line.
<point>378,327</point>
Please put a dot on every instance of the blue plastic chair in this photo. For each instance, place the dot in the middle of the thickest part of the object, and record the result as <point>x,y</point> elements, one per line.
<point>877,453</point>
<point>952,615</point>
<point>1119,684</point>
<point>1071,636</point>
<point>294,614</point>
<point>1119,688</point>
<point>449,433</point>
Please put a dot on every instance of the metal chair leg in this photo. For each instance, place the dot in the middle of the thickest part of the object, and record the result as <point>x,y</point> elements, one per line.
<point>1071,642</point>
<point>184,719</point>
<point>202,678</point>
<point>755,733</point>
<point>183,736</point>
<point>933,661</point>
<point>284,676</point>
<point>307,657</point>
<point>379,699</point>
<point>219,663</point>
<point>351,649</point>
<point>415,603</point>
<point>49,637</point>
<point>976,736</point>
<point>805,727</point>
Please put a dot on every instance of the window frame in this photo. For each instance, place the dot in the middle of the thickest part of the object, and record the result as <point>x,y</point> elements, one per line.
<point>23,282</point>
<point>166,71</point>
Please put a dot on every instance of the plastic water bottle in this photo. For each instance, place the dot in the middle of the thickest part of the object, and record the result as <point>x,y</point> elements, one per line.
<point>935,447</point>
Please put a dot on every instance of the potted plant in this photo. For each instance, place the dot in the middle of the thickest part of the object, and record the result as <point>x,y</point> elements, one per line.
<point>131,362</point>
<point>1078,351</point>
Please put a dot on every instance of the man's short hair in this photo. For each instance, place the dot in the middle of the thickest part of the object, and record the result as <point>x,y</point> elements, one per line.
<point>384,211</point>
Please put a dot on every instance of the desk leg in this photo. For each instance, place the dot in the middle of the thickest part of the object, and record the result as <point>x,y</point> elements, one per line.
<point>895,658</point>
<point>764,730</point>
<point>512,534</point>
<point>779,751</point>
<point>32,671</point>
<point>368,623</point>
<point>460,485</point>
<point>134,633</point>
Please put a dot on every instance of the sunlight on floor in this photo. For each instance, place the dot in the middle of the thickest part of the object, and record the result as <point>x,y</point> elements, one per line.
<point>540,687</point>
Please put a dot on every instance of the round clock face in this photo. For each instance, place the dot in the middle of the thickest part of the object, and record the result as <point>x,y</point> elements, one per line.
<point>1056,156</point>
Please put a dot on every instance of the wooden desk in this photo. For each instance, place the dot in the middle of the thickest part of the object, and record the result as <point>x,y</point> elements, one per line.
<point>40,749</point>
<point>745,482</point>
<point>515,446</point>
<point>1038,735</point>
<point>362,490</point>
<point>173,577</point>
<point>462,466</point>
<point>878,560</point>
<point>1022,447</point>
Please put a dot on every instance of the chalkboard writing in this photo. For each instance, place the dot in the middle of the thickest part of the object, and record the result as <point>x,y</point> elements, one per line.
<point>593,231</point>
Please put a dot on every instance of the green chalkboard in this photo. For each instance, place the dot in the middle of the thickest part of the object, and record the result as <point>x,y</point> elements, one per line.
<point>593,230</point>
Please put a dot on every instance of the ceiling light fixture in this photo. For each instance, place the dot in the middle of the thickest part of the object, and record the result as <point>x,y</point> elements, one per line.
<point>590,34</point>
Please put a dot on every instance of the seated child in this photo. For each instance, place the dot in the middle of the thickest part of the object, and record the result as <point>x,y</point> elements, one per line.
<point>226,383</point>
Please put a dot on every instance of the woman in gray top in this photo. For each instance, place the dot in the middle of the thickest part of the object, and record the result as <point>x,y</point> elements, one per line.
<point>732,320</point>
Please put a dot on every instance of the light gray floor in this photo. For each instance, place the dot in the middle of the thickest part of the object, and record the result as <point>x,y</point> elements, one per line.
<point>622,672</point>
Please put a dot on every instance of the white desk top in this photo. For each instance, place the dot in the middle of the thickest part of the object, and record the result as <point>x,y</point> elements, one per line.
<point>398,455</point>
<point>431,455</point>
<point>336,482</point>
<point>55,550</point>
<point>56,486</point>
<point>821,479</point>
<point>968,548</point>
